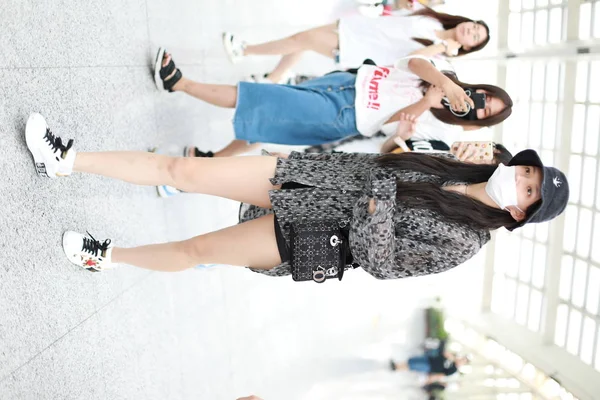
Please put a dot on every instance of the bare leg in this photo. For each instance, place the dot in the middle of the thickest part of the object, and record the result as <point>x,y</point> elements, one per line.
<point>285,65</point>
<point>218,95</point>
<point>244,179</point>
<point>235,148</point>
<point>323,40</point>
<point>252,244</point>
<point>401,366</point>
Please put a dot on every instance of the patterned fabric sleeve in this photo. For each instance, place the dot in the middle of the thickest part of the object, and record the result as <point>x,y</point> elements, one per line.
<point>339,156</point>
<point>373,235</point>
<point>448,248</point>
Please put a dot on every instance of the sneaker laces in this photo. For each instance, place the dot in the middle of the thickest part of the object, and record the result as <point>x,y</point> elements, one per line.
<point>92,245</point>
<point>56,142</point>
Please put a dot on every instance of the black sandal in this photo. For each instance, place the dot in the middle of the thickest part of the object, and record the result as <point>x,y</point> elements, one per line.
<point>161,73</point>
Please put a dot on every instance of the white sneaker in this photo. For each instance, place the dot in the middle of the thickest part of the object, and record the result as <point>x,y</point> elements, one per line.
<point>233,47</point>
<point>87,253</point>
<point>51,157</point>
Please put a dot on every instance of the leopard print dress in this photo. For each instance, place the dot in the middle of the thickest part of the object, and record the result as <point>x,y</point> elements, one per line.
<point>396,241</point>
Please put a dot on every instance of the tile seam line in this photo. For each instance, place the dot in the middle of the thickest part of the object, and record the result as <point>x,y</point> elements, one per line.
<point>98,66</point>
<point>8,375</point>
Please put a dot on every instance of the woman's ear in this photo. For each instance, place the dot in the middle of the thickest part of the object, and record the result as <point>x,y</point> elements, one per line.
<point>517,214</point>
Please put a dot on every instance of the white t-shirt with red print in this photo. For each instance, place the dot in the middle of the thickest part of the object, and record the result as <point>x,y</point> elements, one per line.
<point>383,91</point>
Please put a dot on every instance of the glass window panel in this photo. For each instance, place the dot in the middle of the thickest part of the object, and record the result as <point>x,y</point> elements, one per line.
<point>541,26</point>
<point>535,311</point>
<point>514,30</point>
<point>588,179</point>
<point>537,81</point>
<point>592,130</point>
<point>596,239</point>
<point>560,330</point>
<point>585,17</point>
<point>574,331</point>
<point>555,30</point>
<point>509,300</point>
<point>593,291</point>
<point>528,4</point>
<point>577,134</point>
<point>579,283</point>
<point>525,81</point>
<point>541,231</point>
<point>570,229</point>
<point>535,125</point>
<point>566,278</point>
<point>552,75</point>
<point>595,81</point>
<point>587,340</point>
<point>539,265</point>
<point>509,257</point>
<point>526,255</point>
<point>581,87</point>
<point>584,232</point>
<point>515,5</point>
<point>549,131</point>
<point>556,1</point>
<point>541,3</point>
<point>596,22</point>
<point>522,304</point>
<point>597,363</point>
<point>527,29</point>
<point>547,157</point>
<point>498,294</point>
<point>598,192</point>
<point>574,178</point>
<point>528,231</point>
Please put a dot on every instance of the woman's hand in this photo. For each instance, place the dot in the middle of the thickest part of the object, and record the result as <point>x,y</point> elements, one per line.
<point>434,96</point>
<point>372,206</point>
<point>452,47</point>
<point>407,124</point>
<point>457,96</point>
<point>464,152</point>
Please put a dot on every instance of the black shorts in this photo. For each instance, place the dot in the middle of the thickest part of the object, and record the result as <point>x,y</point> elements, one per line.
<point>284,251</point>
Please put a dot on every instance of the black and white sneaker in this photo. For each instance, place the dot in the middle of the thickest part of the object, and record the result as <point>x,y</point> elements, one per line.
<point>51,157</point>
<point>87,252</point>
<point>234,47</point>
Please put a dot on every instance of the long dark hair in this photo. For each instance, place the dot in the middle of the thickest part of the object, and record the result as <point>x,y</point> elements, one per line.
<point>444,115</point>
<point>450,21</point>
<point>501,154</point>
<point>455,207</point>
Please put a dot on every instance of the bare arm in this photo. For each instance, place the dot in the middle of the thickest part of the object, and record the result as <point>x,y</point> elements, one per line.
<point>428,72</point>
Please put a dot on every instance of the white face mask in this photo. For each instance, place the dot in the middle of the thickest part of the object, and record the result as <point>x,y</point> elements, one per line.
<point>502,186</point>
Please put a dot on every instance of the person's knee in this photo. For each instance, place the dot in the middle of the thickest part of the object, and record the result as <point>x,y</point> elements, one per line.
<point>192,250</point>
<point>180,170</point>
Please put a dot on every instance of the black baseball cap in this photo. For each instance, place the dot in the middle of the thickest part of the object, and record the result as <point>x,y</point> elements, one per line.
<point>555,189</point>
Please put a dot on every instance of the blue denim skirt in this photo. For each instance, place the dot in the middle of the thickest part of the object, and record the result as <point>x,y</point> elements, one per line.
<point>419,364</point>
<point>317,111</point>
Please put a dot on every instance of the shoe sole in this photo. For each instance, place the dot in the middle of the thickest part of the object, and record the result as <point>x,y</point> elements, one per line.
<point>157,66</point>
<point>40,167</point>
<point>228,49</point>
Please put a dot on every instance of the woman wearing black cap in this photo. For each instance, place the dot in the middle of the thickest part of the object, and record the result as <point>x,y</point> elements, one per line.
<point>408,214</point>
